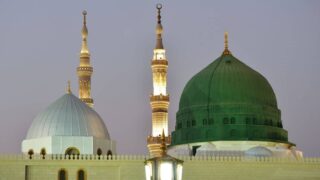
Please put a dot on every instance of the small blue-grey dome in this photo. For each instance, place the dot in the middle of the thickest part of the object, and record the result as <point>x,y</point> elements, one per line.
<point>68,116</point>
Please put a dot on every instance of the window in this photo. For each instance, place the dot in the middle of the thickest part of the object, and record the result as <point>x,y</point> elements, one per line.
<point>43,153</point>
<point>204,122</point>
<point>99,152</point>
<point>109,153</point>
<point>188,123</point>
<point>62,175</point>
<point>72,152</point>
<point>248,121</point>
<point>193,122</point>
<point>81,175</point>
<point>233,120</point>
<point>30,153</point>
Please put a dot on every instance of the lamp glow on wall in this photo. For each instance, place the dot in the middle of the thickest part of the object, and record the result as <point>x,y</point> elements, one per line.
<point>164,167</point>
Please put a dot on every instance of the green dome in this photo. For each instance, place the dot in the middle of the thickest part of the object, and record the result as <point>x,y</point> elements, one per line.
<point>228,100</point>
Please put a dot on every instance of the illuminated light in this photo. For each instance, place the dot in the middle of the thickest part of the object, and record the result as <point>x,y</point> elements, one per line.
<point>148,169</point>
<point>179,172</point>
<point>166,171</point>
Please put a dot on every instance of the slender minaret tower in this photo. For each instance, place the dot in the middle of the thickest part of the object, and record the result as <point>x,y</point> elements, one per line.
<point>159,99</point>
<point>85,70</point>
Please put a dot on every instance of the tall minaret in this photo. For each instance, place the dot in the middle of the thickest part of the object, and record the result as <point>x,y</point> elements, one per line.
<point>85,70</point>
<point>159,100</point>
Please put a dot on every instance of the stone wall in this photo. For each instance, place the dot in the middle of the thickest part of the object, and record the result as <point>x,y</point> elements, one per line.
<point>123,167</point>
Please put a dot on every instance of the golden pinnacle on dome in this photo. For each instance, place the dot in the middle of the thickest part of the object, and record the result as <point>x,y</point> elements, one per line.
<point>159,7</point>
<point>226,45</point>
<point>84,33</point>
<point>163,145</point>
<point>159,29</point>
<point>69,87</point>
<point>84,13</point>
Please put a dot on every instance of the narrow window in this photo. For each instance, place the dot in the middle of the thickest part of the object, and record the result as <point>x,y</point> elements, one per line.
<point>30,153</point>
<point>233,120</point>
<point>43,153</point>
<point>248,121</point>
<point>193,122</point>
<point>188,123</point>
<point>99,152</point>
<point>62,175</point>
<point>204,122</point>
<point>81,175</point>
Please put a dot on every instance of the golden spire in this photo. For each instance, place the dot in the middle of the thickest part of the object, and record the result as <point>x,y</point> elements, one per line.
<point>226,45</point>
<point>163,145</point>
<point>69,87</point>
<point>159,29</point>
<point>84,32</point>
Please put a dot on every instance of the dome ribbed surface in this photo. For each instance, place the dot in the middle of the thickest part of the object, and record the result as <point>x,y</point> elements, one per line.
<point>68,116</point>
<point>228,100</point>
<point>227,80</point>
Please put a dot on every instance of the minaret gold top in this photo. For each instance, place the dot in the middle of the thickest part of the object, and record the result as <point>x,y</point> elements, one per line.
<point>159,99</point>
<point>69,88</point>
<point>159,29</point>
<point>84,48</point>
<point>85,69</point>
<point>226,46</point>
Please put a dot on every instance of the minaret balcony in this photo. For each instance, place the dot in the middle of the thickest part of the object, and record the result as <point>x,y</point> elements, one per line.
<point>157,140</point>
<point>160,97</point>
<point>159,62</point>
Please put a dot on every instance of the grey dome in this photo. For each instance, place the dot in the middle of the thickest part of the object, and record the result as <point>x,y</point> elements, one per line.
<point>68,116</point>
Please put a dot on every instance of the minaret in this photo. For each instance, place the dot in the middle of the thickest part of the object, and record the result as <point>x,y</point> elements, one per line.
<point>85,70</point>
<point>159,99</point>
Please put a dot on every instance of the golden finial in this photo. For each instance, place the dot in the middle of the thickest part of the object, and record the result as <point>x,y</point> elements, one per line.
<point>84,32</point>
<point>84,13</point>
<point>159,29</point>
<point>226,45</point>
<point>69,87</point>
<point>163,145</point>
<point>159,6</point>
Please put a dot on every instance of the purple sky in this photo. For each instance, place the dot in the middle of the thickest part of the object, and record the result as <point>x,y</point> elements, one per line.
<point>40,44</point>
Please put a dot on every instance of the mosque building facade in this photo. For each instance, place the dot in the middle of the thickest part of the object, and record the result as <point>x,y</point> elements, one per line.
<point>228,126</point>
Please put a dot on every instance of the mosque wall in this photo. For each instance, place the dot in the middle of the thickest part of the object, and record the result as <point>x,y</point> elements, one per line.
<point>122,167</point>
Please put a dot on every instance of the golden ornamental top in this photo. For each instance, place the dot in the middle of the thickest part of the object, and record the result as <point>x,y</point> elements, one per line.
<point>226,45</point>
<point>84,33</point>
<point>69,87</point>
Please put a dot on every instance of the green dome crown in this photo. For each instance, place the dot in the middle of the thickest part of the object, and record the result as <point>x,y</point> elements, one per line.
<point>228,100</point>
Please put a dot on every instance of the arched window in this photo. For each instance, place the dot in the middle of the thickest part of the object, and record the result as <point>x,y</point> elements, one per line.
<point>99,152</point>
<point>72,152</point>
<point>30,153</point>
<point>43,153</point>
<point>81,175</point>
<point>109,153</point>
<point>62,174</point>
